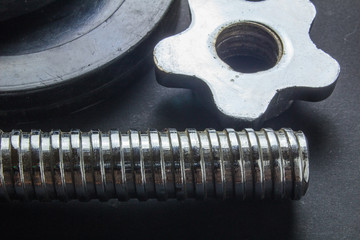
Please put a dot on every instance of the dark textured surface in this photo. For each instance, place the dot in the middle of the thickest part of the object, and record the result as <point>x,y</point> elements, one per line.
<point>71,54</point>
<point>11,8</point>
<point>330,210</point>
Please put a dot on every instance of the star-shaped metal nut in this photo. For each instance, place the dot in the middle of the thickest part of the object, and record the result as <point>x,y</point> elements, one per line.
<point>275,30</point>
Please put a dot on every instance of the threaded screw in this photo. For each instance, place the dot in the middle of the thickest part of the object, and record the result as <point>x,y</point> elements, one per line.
<point>225,164</point>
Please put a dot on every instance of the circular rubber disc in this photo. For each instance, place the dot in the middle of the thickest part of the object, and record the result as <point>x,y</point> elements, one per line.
<point>70,49</point>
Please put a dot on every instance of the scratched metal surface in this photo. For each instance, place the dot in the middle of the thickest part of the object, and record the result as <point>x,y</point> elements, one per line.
<point>330,210</point>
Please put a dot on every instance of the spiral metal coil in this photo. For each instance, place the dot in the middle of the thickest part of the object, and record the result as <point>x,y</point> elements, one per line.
<point>225,164</point>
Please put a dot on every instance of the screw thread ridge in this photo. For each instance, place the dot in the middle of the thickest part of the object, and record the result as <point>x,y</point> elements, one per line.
<point>225,164</point>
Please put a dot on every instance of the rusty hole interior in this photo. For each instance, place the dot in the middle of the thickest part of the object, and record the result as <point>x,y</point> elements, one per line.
<point>249,47</point>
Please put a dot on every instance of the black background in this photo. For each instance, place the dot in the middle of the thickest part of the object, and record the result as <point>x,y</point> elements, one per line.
<point>330,209</point>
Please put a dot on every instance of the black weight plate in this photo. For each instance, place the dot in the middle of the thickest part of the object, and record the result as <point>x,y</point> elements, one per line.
<point>72,50</point>
<point>14,8</point>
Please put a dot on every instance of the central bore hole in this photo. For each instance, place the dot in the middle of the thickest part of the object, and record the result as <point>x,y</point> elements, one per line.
<point>249,47</point>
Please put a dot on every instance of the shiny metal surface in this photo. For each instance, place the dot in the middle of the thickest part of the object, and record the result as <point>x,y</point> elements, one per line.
<point>225,164</point>
<point>274,32</point>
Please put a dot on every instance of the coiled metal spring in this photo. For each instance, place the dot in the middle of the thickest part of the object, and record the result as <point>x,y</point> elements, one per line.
<point>225,164</point>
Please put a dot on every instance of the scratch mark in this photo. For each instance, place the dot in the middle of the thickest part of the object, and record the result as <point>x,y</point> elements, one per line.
<point>347,36</point>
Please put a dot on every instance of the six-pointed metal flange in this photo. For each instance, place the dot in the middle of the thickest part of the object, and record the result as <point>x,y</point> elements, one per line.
<point>275,32</point>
